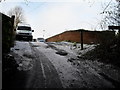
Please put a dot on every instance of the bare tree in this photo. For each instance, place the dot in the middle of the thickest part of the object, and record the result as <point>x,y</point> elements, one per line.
<point>5,0</point>
<point>1,0</point>
<point>19,15</point>
<point>111,14</point>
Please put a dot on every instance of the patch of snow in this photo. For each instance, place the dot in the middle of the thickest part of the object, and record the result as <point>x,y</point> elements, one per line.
<point>70,75</point>
<point>65,70</point>
<point>68,47</point>
<point>22,48</point>
<point>84,73</point>
<point>23,55</point>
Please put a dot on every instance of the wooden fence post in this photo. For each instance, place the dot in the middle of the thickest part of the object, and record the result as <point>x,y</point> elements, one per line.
<point>81,34</point>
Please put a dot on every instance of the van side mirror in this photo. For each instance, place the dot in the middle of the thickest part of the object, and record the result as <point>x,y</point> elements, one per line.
<point>32,30</point>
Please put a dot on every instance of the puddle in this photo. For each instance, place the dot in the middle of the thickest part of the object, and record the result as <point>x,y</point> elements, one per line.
<point>17,49</point>
<point>28,55</point>
<point>61,52</point>
<point>35,46</point>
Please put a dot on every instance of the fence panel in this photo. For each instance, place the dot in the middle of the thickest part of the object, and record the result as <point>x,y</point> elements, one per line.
<point>7,33</point>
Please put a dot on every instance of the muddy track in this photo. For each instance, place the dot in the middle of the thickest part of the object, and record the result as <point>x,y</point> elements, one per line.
<point>43,73</point>
<point>46,73</point>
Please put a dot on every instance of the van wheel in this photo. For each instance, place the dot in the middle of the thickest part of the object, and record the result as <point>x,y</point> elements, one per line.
<point>30,39</point>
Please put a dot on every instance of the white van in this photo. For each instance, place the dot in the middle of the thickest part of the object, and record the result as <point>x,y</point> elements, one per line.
<point>24,32</point>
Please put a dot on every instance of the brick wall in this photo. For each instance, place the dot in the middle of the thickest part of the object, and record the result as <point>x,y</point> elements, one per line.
<point>88,36</point>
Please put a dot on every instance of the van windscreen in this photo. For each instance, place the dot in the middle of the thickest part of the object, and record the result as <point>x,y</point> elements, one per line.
<point>24,28</point>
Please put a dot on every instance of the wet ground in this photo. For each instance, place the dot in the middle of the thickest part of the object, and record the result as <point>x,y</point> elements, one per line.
<point>34,71</point>
<point>41,67</point>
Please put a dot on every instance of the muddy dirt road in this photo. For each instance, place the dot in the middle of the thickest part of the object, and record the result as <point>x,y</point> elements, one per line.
<point>43,73</point>
<point>41,67</point>
<point>35,70</point>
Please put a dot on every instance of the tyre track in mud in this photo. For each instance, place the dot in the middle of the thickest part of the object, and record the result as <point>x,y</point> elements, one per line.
<point>43,73</point>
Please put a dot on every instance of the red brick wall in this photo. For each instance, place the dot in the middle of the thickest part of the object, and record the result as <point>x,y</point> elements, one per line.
<point>91,37</point>
<point>88,36</point>
<point>73,36</point>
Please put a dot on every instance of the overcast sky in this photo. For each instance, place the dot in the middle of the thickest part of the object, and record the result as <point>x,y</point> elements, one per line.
<point>57,16</point>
